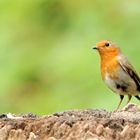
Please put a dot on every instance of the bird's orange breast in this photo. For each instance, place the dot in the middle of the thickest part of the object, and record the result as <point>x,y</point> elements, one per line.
<point>110,66</point>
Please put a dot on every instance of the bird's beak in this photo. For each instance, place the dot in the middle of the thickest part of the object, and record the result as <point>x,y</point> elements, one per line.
<point>96,48</point>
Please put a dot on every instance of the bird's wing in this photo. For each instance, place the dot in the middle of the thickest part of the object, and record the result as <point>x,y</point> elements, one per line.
<point>129,69</point>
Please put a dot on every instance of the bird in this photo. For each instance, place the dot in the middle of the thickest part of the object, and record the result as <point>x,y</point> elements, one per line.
<point>117,72</point>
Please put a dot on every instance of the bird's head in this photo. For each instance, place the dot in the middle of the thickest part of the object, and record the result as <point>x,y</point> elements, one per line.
<point>107,47</point>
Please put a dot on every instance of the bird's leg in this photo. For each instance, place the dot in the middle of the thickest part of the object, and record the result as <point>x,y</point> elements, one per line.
<point>121,97</point>
<point>129,98</point>
<point>137,97</point>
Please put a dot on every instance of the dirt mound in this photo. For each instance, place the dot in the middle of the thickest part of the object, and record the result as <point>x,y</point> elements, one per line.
<point>90,124</point>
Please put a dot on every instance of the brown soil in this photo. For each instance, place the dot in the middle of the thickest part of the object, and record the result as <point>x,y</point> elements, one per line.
<point>90,124</point>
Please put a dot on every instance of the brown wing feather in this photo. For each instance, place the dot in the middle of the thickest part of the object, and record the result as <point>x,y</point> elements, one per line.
<point>128,68</point>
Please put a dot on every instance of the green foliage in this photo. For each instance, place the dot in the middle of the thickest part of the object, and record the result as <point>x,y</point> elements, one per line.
<point>46,59</point>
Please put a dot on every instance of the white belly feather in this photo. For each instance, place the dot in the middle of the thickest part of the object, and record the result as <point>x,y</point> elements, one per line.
<point>123,86</point>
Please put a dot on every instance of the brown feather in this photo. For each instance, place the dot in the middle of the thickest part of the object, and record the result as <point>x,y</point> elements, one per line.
<point>128,68</point>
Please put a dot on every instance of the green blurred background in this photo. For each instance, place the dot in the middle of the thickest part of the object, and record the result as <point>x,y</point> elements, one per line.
<point>46,59</point>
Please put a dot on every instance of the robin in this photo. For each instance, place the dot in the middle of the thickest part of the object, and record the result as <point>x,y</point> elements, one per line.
<point>117,72</point>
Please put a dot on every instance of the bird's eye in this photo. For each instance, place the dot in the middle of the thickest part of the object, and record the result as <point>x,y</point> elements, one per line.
<point>107,44</point>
